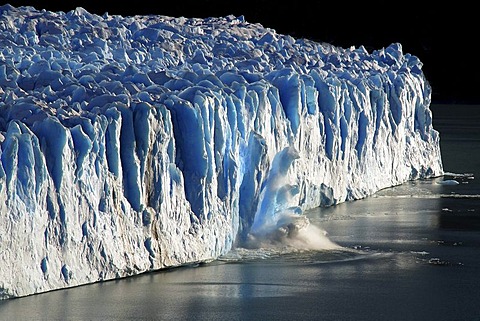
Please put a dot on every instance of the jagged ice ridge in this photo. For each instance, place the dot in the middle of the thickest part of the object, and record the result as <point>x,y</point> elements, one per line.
<point>130,144</point>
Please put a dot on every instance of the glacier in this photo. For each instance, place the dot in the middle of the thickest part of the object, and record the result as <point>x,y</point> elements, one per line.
<point>129,144</point>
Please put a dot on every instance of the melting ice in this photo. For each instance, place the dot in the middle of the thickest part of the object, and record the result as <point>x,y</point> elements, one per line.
<point>131,144</point>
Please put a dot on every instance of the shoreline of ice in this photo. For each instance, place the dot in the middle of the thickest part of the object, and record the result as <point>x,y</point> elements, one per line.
<point>131,144</point>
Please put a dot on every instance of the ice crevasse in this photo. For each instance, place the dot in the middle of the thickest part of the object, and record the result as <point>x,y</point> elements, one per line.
<point>131,144</point>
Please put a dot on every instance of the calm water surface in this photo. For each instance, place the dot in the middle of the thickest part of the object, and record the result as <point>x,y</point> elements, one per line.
<point>411,252</point>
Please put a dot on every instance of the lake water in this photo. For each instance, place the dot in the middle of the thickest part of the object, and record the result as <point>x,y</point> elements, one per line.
<point>411,252</point>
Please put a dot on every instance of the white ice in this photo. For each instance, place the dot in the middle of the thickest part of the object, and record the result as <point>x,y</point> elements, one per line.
<point>131,144</point>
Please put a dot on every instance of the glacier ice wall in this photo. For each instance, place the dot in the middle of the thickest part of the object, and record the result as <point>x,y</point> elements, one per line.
<point>129,144</point>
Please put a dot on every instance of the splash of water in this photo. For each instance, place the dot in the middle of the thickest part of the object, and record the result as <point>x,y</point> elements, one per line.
<point>276,222</point>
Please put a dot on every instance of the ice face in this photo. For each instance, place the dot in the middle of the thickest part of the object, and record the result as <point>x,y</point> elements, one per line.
<point>130,144</point>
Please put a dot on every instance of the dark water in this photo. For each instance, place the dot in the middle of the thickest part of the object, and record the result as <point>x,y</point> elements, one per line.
<point>408,253</point>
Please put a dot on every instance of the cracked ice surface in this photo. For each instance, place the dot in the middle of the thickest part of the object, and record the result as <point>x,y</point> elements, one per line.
<point>129,144</point>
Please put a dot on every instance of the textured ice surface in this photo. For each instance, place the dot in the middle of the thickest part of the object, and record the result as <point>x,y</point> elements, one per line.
<point>130,144</point>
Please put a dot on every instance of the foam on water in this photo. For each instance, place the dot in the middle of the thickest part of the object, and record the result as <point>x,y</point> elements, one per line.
<point>289,252</point>
<point>296,233</point>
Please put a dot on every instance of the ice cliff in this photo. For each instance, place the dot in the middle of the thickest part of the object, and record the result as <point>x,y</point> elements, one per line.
<point>130,144</point>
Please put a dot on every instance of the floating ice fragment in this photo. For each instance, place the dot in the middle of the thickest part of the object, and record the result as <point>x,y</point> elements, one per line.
<point>420,252</point>
<point>437,261</point>
<point>448,182</point>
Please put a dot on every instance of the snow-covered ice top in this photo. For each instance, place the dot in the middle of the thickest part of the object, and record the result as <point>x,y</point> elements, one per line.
<point>130,144</point>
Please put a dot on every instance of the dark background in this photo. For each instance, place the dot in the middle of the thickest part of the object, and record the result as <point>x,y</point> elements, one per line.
<point>443,36</point>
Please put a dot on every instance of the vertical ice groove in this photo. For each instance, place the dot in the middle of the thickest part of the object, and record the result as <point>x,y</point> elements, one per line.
<point>142,132</point>
<point>158,156</point>
<point>206,105</point>
<point>10,155</point>
<point>397,90</point>
<point>112,140</point>
<point>311,94</point>
<point>290,95</point>
<point>83,146</point>
<point>129,159</point>
<point>188,127</point>
<point>54,139</point>
<point>220,136</point>
<point>362,133</point>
